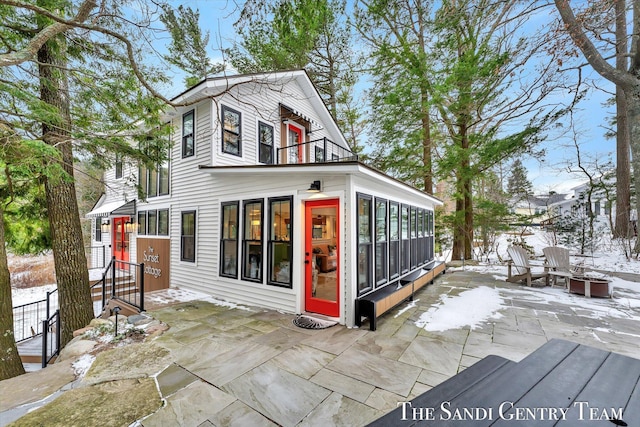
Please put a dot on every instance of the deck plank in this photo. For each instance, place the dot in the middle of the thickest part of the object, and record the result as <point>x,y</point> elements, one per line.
<point>445,391</point>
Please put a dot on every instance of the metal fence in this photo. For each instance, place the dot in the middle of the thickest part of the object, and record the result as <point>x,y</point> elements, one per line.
<point>317,151</point>
<point>28,318</point>
<point>97,256</point>
<point>50,338</point>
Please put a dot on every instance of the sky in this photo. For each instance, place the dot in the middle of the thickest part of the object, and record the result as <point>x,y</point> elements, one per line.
<point>548,174</point>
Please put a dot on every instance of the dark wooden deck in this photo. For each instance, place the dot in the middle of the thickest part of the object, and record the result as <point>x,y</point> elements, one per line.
<point>560,384</point>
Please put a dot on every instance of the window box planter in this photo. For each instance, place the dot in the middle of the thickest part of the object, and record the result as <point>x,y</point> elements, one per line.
<point>590,286</point>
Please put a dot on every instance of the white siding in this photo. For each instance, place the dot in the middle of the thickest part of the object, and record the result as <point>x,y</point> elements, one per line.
<point>259,102</point>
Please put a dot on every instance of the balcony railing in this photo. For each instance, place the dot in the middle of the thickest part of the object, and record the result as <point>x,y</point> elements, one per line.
<point>317,151</point>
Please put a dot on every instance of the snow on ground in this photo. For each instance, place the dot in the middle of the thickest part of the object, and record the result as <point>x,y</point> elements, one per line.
<point>470,308</point>
<point>174,295</point>
<point>27,295</point>
<point>82,365</point>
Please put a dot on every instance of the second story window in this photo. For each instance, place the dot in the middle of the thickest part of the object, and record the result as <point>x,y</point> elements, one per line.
<point>154,181</point>
<point>118,165</point>
<point>188,134</point>
<point>265,143</point>
<point>231,142</point>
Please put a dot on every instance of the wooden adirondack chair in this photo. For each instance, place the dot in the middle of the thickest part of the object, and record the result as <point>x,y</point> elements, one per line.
<point>557,260</point>
<point>523,268</point>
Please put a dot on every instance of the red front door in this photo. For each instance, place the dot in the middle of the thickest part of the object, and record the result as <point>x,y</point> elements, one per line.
<point>120,239</point>
<point>295,139</point>
<point>322,257</point>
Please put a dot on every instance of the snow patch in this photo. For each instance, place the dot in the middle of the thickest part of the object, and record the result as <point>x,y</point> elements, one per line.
<point>82,365</point>
<point>470,308</point>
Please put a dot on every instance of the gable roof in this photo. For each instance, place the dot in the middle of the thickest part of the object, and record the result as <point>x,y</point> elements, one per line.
<point>216,86</point>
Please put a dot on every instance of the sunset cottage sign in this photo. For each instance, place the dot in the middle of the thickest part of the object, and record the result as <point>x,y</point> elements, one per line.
<point>154,253</point>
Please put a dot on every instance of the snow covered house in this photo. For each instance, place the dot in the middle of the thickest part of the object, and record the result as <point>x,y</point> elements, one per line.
<point>263,203</point>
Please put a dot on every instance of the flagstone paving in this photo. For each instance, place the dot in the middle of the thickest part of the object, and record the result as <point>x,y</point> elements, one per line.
<point>220,366</point>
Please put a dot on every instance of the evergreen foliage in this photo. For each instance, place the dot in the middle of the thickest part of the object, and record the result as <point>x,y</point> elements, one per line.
<point>519,187</point>
<point>309,34</point>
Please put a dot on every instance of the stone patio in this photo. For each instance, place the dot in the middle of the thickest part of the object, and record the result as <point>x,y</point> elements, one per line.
<point>219,366</point>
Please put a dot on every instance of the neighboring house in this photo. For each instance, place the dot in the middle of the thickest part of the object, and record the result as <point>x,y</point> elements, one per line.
<point>537,207</point>
<point>263,203</point>
<point>600,207</point>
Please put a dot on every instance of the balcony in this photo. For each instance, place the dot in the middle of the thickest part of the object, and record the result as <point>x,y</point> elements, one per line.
<point>316,151</point>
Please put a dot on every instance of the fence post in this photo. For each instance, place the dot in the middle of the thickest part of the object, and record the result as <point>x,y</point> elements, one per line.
<point>58,331</point>
<point>48,305</point>
<point>44,343</point>
<point>142,286</point>
<point>326,153</point>
<point>113,277</point>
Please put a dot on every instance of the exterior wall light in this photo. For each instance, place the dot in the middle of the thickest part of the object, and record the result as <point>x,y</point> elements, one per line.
<point>315,187</point>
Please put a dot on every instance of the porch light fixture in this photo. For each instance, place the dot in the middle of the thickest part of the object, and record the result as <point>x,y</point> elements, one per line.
<point>105,227</point>
<point>315,187</point>
<point>129,226</point>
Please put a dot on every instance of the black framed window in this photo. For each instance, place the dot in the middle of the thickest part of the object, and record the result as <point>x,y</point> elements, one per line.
<point>188,236</point>
<point>142,223</point>
<point>413,223</point>
<point>163,222</point>
<point>118,165</point>
<point>422,240</point>
<point>252,240</point>
<point>229,240</point>
<point>97,227</point>
<point>152,222</point>
<point>431,240</point>
<point>365,245</point>
<point>188,134</point>
<point>319,154</point>
<point>155,181</point>
<point>231,128</point>
<point>405,245</point>
<point>394,240</point>
<point>280,248</point>
<point>381,241</point>
<point>265,143</point>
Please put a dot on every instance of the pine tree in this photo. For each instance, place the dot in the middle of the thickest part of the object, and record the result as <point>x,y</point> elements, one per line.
<point>519,187</point>
<point>309,34</point>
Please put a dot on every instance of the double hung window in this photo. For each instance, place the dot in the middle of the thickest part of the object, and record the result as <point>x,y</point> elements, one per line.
<point>252,240</point>
<point>231,127</point>
<point>188,134</point>
<point>280,249</point>
<point>229,241</point>
<point>188,236</point>
<point>265,143</point>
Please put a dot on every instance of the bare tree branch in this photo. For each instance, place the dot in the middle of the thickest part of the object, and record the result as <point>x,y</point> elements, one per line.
<point>28,52</point>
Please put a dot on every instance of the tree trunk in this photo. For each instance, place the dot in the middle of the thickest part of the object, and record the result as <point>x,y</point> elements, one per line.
<point>426,143</point>
<point>633,102</point>
<point>623,172</point>
<point>10,363</point>
<point>76,307</point>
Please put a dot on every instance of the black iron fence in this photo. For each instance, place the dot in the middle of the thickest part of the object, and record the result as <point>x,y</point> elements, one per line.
<point>121,280</point>
<point>27,318</point>
<point>96,256</point>
<point>50,338</point>
<point>124,281</point>
<point>317,151</point>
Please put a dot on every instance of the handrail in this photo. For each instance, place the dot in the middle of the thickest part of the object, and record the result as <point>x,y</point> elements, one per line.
<point>325,151</point>
<point>27,317</point>
<point>103,283</point>
<point>49,351</point>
